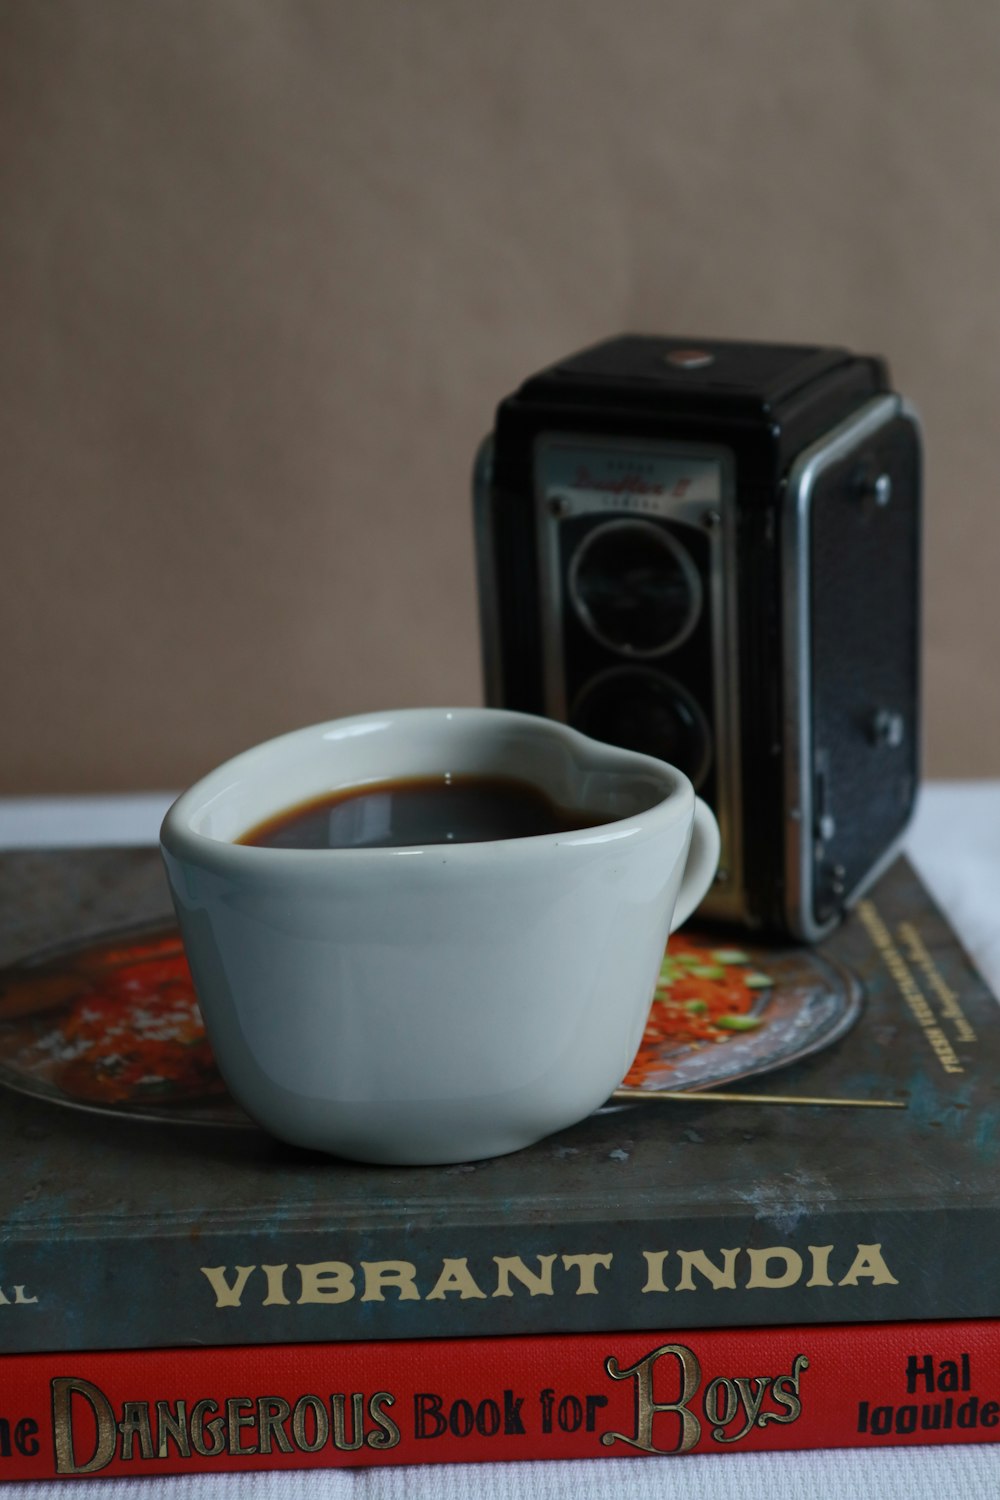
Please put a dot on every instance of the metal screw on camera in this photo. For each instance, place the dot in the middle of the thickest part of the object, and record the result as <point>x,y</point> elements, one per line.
<point>887,728</point>
<point>877,488</point>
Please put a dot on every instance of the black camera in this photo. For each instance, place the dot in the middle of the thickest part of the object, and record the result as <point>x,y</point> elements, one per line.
<point>710,552</point>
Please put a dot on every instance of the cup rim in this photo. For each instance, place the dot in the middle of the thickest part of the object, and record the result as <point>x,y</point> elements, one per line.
<point>179,837</point>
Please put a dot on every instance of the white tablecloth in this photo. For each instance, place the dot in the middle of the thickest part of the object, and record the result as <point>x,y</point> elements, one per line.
<point>955,844</point>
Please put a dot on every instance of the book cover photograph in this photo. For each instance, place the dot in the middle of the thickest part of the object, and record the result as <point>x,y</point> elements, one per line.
<point>113,1023</point>
<point>807,1137</point>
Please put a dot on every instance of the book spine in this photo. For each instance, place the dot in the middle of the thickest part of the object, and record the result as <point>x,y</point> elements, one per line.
<point>482,1281</point>
<point>282,1406</point>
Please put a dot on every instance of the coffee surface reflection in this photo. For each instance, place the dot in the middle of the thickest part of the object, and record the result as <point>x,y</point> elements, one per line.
<point>442,809</point>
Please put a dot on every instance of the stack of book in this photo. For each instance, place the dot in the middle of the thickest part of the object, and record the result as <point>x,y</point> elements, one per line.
<point>781,1234</point>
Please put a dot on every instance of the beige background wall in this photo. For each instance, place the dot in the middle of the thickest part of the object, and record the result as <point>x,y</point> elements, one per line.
<point>267,265</point>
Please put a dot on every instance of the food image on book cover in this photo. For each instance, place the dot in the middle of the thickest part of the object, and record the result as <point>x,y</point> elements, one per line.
<point>113,1024</point>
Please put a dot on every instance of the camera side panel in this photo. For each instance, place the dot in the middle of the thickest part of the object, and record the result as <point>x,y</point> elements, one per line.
<point>851,557</point>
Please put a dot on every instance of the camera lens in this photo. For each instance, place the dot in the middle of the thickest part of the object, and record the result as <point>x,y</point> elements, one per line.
<point>635,588</point>
<point>642,710</point>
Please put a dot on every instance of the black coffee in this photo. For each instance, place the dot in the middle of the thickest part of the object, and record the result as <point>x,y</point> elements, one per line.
<point>419,810</point>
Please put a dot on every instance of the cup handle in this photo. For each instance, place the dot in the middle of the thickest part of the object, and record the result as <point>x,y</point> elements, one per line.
<point>702,863</point>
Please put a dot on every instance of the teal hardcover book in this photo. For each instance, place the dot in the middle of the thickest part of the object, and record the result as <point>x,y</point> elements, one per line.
<point>807,1136</point>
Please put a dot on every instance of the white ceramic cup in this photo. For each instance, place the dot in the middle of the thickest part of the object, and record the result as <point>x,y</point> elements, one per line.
<point>441,1003</point>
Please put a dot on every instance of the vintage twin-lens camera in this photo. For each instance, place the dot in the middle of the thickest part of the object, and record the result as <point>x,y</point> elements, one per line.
<point>710,552</point>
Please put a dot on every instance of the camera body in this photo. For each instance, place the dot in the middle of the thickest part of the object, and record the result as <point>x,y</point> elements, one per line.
<point>710,551</point>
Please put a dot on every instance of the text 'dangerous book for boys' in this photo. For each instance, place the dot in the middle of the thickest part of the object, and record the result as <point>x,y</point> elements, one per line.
<point>600,1395</point>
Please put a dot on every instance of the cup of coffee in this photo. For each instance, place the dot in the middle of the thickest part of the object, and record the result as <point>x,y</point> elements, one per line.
<point>431,935</point>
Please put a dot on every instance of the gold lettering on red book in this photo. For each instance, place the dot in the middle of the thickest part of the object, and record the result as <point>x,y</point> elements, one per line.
<point>63,1389</point>
<point>727,1401</point>
<point>142,1429</point>
<point>646,1408</point>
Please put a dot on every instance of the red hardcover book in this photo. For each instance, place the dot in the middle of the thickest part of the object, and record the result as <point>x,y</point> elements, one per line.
<point>598,1395</point>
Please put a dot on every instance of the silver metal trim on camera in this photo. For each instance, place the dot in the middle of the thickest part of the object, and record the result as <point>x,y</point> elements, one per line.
<point>802,816</point>
<point>706,506</point>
